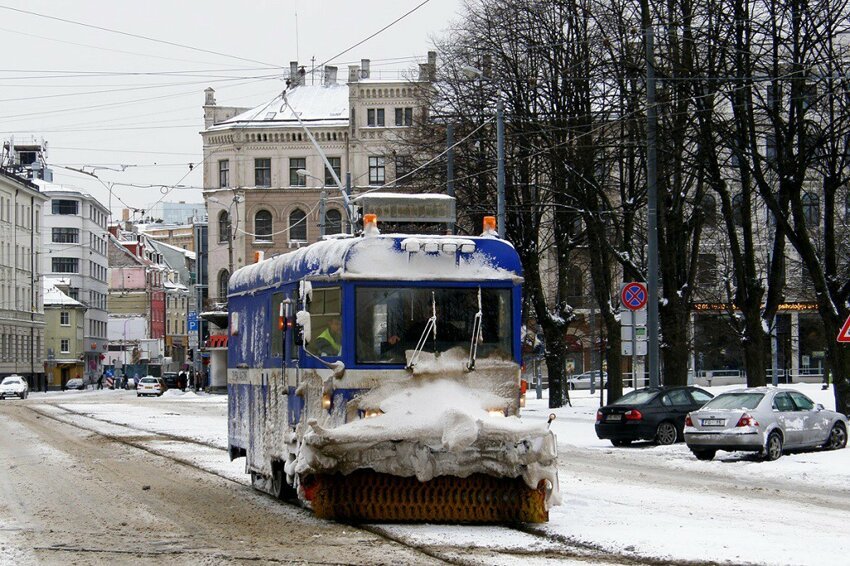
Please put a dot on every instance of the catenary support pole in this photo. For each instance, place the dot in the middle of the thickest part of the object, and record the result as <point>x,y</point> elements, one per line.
<point>450,166</point>
<point>500,168</point>
<point>652,211</point>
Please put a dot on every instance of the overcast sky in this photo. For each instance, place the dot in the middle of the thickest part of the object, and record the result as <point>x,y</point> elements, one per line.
<point>105,99</point>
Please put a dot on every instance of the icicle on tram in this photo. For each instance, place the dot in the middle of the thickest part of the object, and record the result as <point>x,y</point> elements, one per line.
<point>377,378</point>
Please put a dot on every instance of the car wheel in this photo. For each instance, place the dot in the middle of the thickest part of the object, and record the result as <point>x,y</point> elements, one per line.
<point>704,454</point>
<point>620,442</point>
<point>666,433</point>
<point>837,437</point>
<point>773,450</point>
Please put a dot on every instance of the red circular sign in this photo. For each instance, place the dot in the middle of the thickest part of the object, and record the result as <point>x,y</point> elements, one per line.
<point>634,296</point>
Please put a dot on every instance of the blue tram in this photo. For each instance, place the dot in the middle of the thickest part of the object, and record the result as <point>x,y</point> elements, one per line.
<point>378,378</point>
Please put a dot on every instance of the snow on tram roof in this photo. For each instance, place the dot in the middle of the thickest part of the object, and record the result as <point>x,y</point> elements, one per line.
<point>397,257</point>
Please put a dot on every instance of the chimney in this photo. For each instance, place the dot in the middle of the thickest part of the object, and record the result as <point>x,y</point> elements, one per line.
<point>330,75</point>
<point>209,96</point>
<point>125,214</point>
<point>353,73</point>
<point>364,68</point>
<point>293,73</point>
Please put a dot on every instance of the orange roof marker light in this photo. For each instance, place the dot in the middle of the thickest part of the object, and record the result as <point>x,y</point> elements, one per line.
<point>490,227</point>
<point>370,225</point>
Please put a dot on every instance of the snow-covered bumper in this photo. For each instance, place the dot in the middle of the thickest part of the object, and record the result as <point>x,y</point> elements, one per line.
<point>499,447</point>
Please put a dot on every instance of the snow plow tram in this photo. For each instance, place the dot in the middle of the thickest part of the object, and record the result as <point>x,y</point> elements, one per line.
<point>377,378</point>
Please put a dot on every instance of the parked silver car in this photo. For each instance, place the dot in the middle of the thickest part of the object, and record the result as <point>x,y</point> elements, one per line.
<point>582,380</point>
<point>765,420</point>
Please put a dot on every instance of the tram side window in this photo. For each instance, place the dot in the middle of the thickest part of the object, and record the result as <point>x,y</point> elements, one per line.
<point>326,321</point>
<point>276,331</point>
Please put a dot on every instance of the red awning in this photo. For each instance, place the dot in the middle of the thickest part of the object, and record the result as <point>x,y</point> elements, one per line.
<point>217,341</point>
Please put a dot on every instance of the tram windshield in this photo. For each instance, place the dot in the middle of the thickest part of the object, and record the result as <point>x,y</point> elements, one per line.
<point>391,320</point>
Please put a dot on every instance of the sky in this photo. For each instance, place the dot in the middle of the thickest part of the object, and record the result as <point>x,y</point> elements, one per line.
<point>129,109</point>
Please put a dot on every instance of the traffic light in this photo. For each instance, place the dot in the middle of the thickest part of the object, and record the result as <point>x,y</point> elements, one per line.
<point>191,354</point>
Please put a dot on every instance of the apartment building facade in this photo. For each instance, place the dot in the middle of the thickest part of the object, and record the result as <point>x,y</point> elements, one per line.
<point>75,249</point>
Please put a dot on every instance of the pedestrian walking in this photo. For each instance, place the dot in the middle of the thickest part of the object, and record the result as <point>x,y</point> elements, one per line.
<point>100,381</point>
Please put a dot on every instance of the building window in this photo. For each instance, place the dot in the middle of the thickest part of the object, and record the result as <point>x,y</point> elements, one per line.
<point>403,169</point>
<point>333,222</point>
<point>263,172</point>
<point>297,226</point>
<point>404,116</point>
<point>296,163</point>
<point>223,278</point>
<point>263,226</point>
<point>223,226</point>
<point>336,164</point>
<point>376,170</point>
<point>375,117</point>
<point>224,173</point>
<point>65,318</point>
<point>66,235</point>
<point>65,206</point>
<point>709,209</point>
<point>706,270</point>
<point>811,208</point>
<point>65,345</point>
<point>65,265</point>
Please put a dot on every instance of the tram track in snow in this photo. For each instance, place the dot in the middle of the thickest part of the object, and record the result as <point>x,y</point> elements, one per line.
<point>452,544</point>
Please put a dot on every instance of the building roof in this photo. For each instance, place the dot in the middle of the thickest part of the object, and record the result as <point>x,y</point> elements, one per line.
<point>53,296</point>
<point>315,104</point>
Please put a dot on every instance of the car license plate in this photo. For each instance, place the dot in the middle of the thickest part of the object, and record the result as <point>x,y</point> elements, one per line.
<point>614,418</point>
<point>713,422</point>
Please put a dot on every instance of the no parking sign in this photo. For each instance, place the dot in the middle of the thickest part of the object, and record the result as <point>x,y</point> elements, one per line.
<point>634,295</point>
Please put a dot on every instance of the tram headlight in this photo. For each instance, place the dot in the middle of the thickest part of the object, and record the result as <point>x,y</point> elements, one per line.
<point>369,413</point>
<point>327,399</point>
<point>496,412</point>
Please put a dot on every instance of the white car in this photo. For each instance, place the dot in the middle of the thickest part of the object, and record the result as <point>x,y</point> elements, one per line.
<point>150,385</point>
<point>14,385</point>
<point>582,380</point>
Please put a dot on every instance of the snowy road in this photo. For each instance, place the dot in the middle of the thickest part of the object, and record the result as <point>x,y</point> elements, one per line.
<point>74,468</point>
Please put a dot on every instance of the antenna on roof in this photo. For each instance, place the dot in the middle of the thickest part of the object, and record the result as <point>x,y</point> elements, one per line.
<point>297,54</point>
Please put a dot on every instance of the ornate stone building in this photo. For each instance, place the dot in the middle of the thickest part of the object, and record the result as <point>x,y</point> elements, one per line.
<point>267,188</point>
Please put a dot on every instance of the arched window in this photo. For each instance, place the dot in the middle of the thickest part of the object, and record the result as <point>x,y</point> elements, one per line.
<point>223,226</point>
<point>811,209</point>
<point>297,226</point>
<point>709,209</point>
<point>223,278</point>
<point>333,222</point>
<point>263,226</point>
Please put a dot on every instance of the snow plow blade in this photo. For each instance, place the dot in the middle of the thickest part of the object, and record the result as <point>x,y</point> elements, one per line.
<point>367,496</point>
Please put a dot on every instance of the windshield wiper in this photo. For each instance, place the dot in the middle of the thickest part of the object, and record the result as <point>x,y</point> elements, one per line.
<point>430,326</point>
<point>476,335</point>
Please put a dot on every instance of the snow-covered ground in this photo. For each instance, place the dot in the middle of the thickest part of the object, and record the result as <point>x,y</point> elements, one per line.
<point>646,500</point>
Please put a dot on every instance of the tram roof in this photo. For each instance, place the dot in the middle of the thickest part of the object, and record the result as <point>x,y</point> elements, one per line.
<point>393,257</point>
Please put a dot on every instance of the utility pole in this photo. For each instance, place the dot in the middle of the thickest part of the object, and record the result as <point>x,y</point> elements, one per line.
<point>500,167</point>
<point>652,210</point>
<point>450,166</point>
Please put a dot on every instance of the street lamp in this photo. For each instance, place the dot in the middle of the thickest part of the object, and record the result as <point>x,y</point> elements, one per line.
<point>473,73</point>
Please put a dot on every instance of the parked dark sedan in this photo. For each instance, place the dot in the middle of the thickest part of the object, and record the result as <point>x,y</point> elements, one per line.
<point>171,380</point>
<point>652,413</point>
